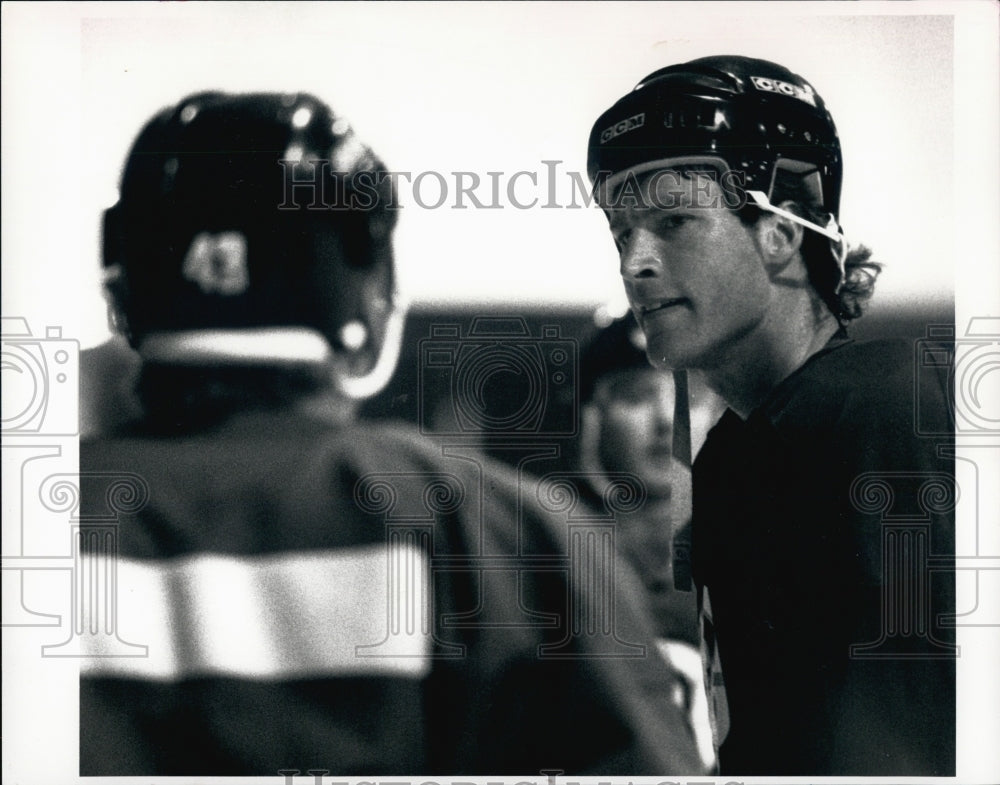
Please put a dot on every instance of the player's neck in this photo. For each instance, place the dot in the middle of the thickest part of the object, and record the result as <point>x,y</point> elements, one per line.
<point>791,332</point>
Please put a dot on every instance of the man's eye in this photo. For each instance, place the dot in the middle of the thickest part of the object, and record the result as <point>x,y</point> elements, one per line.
<point>622,239</point>
<point>671,221</point>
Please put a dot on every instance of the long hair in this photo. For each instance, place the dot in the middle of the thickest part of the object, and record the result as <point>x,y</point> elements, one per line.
<point>860,270</point>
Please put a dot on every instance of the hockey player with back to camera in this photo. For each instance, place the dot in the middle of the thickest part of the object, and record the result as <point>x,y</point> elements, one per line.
<point>721,181</point>
<point>306,583</point>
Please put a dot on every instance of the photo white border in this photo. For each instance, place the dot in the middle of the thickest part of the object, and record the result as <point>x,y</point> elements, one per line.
<point>46,213</point>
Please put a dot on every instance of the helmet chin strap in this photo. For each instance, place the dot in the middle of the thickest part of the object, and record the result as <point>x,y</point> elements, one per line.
<point>838,243</point>
<point>358,388</point>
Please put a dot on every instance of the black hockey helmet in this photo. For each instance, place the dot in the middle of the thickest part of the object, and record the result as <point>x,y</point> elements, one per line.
<point>233,209</point>
<point>754,115</point>
<point>732,113</point>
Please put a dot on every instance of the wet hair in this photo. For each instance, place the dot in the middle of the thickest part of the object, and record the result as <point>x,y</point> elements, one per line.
<point>860,270</point>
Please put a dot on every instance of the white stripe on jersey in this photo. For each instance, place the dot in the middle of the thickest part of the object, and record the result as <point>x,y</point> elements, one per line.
<point>352,611</point>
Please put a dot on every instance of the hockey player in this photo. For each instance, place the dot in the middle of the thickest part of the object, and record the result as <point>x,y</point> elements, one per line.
<point>636,425</point>
<point>721,181</point>
<point>307,592</point>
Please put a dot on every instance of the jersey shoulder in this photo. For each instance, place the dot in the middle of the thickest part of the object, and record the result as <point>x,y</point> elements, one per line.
<point>876,385</point>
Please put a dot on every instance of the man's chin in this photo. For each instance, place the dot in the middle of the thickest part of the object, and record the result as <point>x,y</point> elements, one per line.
<point>668,354</point>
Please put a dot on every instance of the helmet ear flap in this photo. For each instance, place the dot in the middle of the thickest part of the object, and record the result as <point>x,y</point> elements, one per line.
<point>805,176</point>
<point>112,239</point>
<point>113,261</point>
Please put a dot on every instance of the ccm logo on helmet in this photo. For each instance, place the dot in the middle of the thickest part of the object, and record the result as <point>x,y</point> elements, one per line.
<point>622,127</point>
<point>778,86</point>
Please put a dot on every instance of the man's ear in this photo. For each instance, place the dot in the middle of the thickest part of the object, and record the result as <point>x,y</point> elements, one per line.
<point>778,238</point>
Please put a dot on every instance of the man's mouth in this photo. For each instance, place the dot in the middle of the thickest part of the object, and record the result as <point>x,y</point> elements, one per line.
<point>661,305</point>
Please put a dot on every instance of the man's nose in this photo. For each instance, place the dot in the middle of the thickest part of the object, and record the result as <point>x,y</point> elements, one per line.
<point>642,257</point>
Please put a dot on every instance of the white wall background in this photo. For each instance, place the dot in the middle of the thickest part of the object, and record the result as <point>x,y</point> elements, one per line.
<point>455,87</point>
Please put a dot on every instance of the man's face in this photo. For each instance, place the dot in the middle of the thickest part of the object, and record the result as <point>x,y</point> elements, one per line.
<point>692,270</point>
<point>637,414</point>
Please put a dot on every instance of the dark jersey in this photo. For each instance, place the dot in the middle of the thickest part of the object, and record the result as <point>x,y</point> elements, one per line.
<point>824,531</point>
<point>349,598</point>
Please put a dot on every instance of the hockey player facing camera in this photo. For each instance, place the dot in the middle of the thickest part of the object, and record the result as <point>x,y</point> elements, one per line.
<point>721,181</point>
<point>297,590</point>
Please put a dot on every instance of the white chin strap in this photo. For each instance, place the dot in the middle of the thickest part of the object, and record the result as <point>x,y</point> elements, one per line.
<point>358,388</point>
<point>838,243</point>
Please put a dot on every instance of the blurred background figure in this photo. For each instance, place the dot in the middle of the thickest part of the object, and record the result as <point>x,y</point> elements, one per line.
<point>637,420</point>
<point>306,584</point>
<point>108,374</point>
